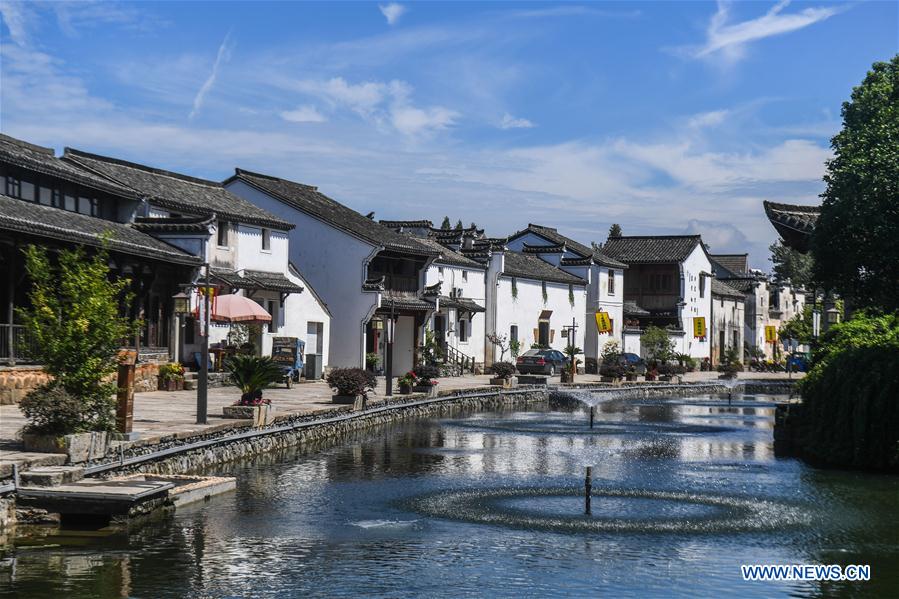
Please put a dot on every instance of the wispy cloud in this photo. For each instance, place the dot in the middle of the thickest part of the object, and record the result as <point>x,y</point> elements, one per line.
<point>570,11</point>
<point>304,114</point>
<point>392,12</point>
<point>728,41</point>
<point>510,122</point>
<point>223,55</point>
<point>16,20</point>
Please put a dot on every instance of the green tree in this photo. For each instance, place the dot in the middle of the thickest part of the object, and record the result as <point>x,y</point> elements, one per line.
<point>459,225</point>
<point>657,344</point>
<point>75,322</point>
<point>446,223</point>
<point>856,239</point>
<point>799,328</point>
<point>615,230</point>
<point>791,265</point>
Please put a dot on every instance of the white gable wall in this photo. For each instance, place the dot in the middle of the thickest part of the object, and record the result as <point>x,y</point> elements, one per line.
<point>335,263</point>
<point>698,303</point>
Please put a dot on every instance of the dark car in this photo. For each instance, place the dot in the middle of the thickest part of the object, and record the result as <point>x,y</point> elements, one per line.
<point>627,360</point>
<point>541,361</point>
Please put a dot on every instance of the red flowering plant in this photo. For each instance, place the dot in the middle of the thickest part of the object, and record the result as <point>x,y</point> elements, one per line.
<point>427,376</point>
<point>408,380</point>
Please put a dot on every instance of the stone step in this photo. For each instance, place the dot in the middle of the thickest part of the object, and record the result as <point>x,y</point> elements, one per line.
<point>51,476</point>
<point>190,384</point>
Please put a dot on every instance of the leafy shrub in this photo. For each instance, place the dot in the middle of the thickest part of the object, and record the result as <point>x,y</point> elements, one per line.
<point>731,363</point>
<point>51,410</point>
<point>612,368</point>
<point>75,322</point>
<point>657,344</point>
<point>426,374</point>
<point>850,413</point>
<point>503,370</point>
<point>351,381</point>
<point>407,379</point>
<point>171,372</point>
<point>372,360</point>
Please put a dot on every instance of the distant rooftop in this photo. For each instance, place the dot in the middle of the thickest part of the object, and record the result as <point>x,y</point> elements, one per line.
<point>648,249</point>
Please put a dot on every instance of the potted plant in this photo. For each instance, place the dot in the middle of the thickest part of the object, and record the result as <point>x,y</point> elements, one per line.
<point>56,424</point>
<point>171,377</point>
<point>426,380</point>
<point>252,374</point>
<point>350,384</point>
<point>372,361</point>
<point>652,370</point>
<point>502,373</point>
<point>730,365</point>
<point>572,351</point>
<point>406,382</point>
<point>630,374</point>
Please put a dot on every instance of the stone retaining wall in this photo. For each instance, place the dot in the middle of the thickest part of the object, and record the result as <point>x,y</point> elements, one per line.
<point>17,381</point>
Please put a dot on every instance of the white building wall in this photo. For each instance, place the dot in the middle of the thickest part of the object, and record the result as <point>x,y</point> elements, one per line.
<point>524,312</point>
<point>335,264</point>
<point>698,303</point>
<point>472,283</point>
<point>251,256</point>
<point>728,317</point>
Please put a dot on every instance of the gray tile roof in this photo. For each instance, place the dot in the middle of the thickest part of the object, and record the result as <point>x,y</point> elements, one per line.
<point>461,303</point>
<point>553,236</point>
<point>735,263</point>
<point>526,266</point>
<point>184,224</point>
<point>43,160</point>
<point>744,285</point>
<point>309,200</point>
<point>800,218</point>
<point>178,192</point>
<point>448,256</point>
<point>54,223</point>
<point>723,289</point>
<point>255,279</point>
<point>652,248</point>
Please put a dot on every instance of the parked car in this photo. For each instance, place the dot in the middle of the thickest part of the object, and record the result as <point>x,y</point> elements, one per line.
<point>541,361</point>
<point>627,360</point>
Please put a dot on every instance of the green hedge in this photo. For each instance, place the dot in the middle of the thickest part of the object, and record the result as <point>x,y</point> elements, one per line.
<point>850,416</point>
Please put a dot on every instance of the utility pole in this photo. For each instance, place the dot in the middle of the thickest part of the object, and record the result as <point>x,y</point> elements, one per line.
<point>203,381</point>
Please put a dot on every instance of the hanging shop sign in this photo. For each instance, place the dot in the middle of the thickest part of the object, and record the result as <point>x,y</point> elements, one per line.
<point>770,334</point>
<point>699,326</point>
<point>603,322</point>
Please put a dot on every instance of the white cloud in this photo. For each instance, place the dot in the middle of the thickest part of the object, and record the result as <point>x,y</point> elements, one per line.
<point>304,114</point>
<point>223,55</point>
<point>16,20</point>
<point>510,122</point>
<point>729,41</point>
<point>707,119</point>
<point>392,12</point>
<point>381,103</point>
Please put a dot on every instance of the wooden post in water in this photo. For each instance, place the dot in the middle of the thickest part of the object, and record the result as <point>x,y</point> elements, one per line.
<point>588,487</point>
<point>591,416</point>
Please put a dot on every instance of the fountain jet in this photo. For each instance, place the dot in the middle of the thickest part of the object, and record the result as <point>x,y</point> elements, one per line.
<point>588,487</point>
<point>591,416</point>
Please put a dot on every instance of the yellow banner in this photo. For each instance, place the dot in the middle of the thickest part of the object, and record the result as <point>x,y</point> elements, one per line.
<point>699,326</point>
<point>603,322</point>
<point>770,334</point>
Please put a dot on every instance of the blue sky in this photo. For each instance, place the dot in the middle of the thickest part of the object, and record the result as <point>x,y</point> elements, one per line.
<point>666,117</point>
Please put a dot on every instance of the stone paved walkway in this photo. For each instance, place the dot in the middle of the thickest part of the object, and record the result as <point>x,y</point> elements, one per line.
<point>162,413</point>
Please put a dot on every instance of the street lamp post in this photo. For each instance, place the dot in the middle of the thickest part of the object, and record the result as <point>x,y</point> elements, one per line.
<point>203,380</point>
<point>388,361</point>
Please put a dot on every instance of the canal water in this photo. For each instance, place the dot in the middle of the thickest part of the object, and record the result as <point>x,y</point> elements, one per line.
<point>492,504</point>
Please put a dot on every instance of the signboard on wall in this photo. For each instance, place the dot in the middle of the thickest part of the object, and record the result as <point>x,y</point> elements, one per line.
<point>699,326</point>
<point>603,322</point>
<point>770,334</point>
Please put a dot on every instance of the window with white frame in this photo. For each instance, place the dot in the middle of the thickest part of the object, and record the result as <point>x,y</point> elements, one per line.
<point>611,282</point>
<point>223,230</point>
<point>464,275</point>
<point>266,240</point>
<point>462,330</point>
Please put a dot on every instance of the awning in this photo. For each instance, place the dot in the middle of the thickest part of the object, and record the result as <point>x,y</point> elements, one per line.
<point>255,280</point>
<point>460,303</point>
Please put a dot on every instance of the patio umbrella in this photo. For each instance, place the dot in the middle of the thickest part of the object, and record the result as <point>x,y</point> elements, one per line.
<point>237,308</point>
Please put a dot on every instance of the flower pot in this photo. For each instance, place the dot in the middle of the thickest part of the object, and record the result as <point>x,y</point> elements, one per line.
<point>261,415</point>
<point>431,390</point>
<point>238,412</point>
<point>78,447</point>
<point>344,399</point>
<point>565,377</point>
<point>503,382</point>
<point>405,389</point>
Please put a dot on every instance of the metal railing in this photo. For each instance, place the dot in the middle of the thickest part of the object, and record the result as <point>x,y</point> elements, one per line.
<point>451,355</point>
<point>22,348</point>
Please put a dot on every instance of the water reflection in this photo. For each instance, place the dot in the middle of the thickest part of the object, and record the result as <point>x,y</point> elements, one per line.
<point>694,482</point>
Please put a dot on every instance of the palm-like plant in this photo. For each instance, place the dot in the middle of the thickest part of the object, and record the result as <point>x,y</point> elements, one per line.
<point>252,374</point>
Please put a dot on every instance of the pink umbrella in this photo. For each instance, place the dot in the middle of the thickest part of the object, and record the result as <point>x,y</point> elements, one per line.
<point>237,308</point>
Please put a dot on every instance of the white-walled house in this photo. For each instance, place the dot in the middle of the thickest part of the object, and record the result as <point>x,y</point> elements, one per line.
<point>668,285</point>
<point>532,301</point>
<point>728,318</point>
<point>458,320</point>
<point>246,248</point>
<point>604,277</point>
<point>368,274</point>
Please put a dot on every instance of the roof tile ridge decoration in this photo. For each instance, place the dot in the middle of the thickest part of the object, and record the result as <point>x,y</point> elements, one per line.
<point>792,207</point>
<point>557,248</point>
<point>243,171</point>
<point>141,167</point>
<point>412,224</point>
<point>685,236</point>
<point>577,261</point>
<point>374,284</point>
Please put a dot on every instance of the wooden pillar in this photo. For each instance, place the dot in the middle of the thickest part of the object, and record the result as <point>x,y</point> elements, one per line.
<point>125,395</point>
